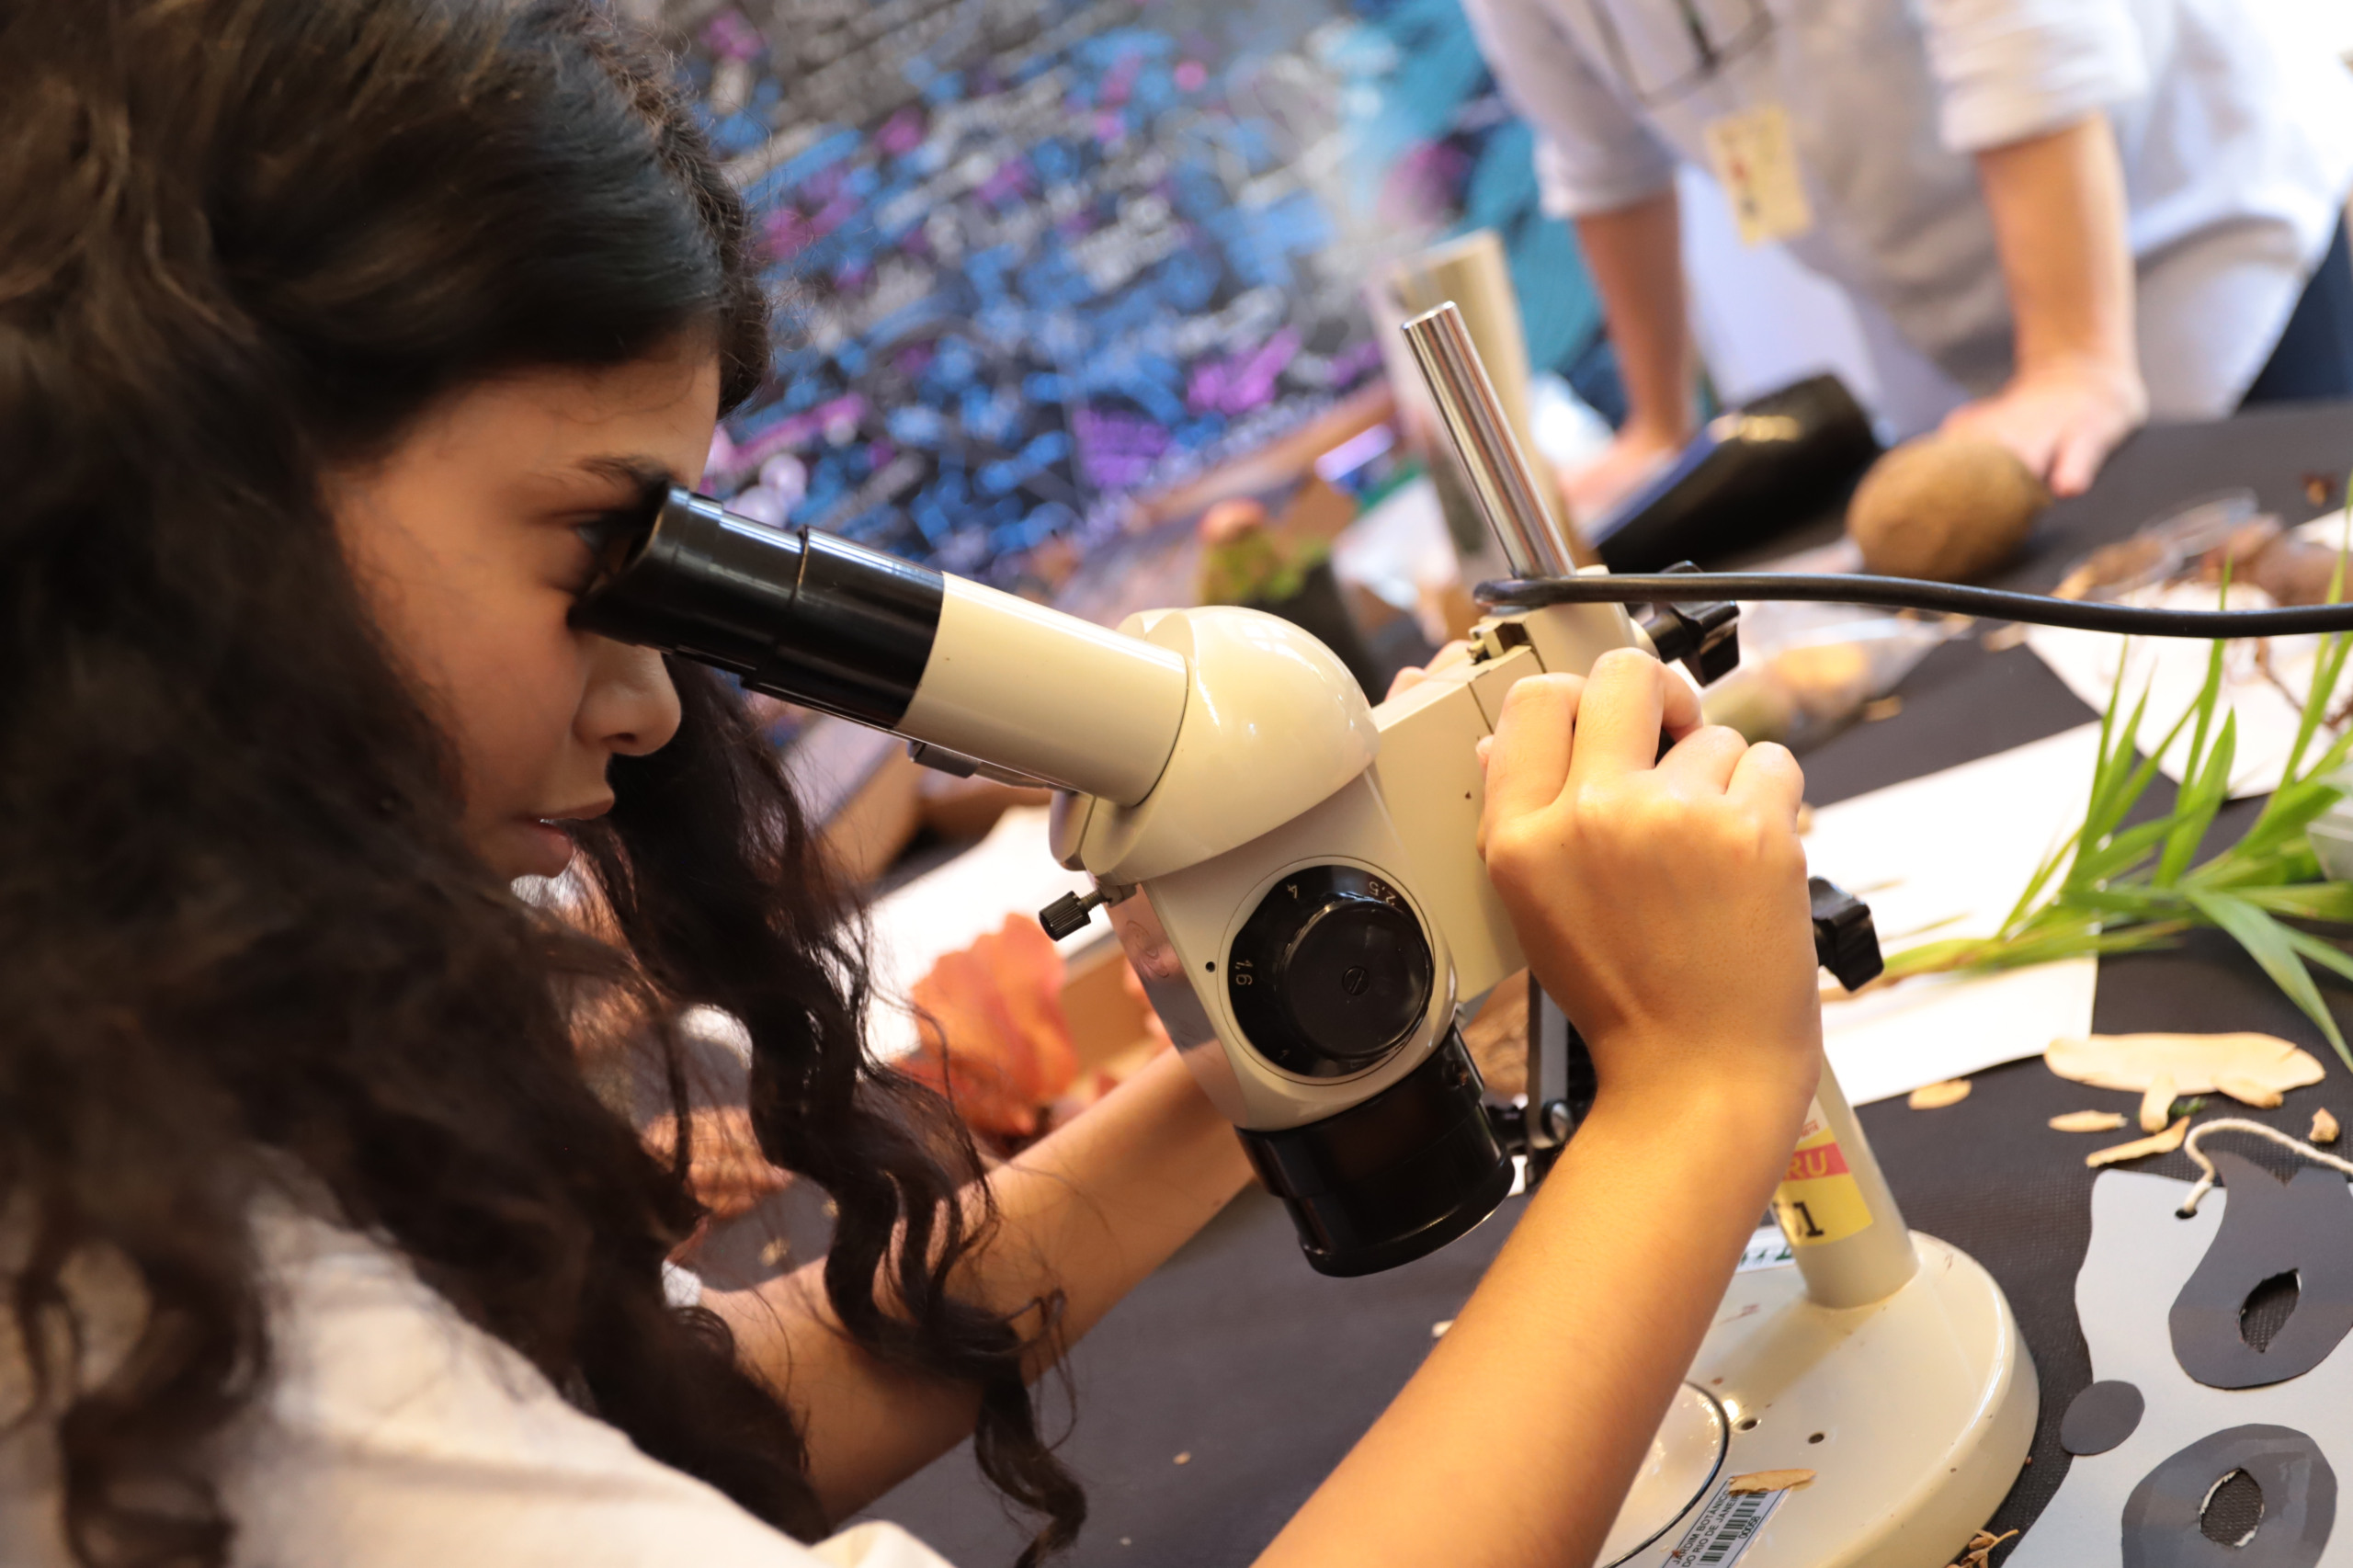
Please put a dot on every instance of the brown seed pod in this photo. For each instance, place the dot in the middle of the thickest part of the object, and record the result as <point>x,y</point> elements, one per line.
<point>1946,508</point>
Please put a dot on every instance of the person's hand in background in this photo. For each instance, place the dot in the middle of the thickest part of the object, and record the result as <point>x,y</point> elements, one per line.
<point>2063,420</point>
<point>1634,455</point>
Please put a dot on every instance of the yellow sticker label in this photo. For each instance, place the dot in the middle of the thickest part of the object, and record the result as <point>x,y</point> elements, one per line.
<point>1819,1200</point>
<point>1755,161</point>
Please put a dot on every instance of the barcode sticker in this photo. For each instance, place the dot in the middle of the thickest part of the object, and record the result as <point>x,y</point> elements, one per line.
<point>1724,1528</point>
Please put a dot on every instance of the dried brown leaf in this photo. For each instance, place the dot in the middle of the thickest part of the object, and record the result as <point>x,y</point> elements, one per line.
<point>2157,1103</point>
<point>2164,1142</point>
<point>1936,1097</point>
<point>2087,1122</point>
<point>2325,1128</point>
<point>2195,1061</point>
<point>1767,1481</point>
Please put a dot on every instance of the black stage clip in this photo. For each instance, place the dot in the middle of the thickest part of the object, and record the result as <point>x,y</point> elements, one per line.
<point>1704,635</point>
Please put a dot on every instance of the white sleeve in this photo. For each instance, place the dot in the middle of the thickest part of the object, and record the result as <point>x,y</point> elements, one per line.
<point>1594,152</point>
<point>2011,69</point>
<point>392,1433</point>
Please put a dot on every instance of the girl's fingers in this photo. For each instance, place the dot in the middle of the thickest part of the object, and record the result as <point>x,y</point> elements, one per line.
<point>1527,756</point>
<point>1411,675</point>
<point>1681,713</point>
<point>1770,778</point>
<point>1704,758</point>
<point>1627,701</point>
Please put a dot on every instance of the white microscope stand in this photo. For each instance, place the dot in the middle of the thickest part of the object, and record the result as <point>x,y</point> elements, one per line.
<point>1886,1362</point>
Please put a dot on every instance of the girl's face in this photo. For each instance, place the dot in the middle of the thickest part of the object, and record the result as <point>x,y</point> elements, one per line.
<point>468,542</point>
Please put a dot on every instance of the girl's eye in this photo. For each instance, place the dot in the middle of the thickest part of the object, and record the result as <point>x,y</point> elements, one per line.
<point>602,538</point>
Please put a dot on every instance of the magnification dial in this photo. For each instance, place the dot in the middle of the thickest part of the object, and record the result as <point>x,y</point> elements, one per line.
<point>1331,972</point>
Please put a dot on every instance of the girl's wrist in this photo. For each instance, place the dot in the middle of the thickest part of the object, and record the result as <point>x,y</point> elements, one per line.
<point>1721,1112</point>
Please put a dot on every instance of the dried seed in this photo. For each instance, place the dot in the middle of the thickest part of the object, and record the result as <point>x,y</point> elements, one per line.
<point>1885,708</point>
<point>2325,1127</point>
<point>1437,1329</point>
<point>1767,1481</point>
<point>1185,1457</point>
<point>2087,1122</point>
<point>2164,1142</point>
<point>2157,1103</point>
<point>1936,1097</point>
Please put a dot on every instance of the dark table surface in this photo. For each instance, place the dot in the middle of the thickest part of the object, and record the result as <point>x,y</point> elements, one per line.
<point>1209,1403</point>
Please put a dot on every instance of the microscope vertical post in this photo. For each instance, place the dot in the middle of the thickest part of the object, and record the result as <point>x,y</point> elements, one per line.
<point>1834,1208</point>
<point>1497,469</point>
<point>1842,1222</point>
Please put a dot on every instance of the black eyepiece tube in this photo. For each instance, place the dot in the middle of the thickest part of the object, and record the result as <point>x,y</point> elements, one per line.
<point>797,614</point>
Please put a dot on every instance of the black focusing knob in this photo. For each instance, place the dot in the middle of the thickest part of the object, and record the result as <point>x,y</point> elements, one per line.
<point>1331,972</point>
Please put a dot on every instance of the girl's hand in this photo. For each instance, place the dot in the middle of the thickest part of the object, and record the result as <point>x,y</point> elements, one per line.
<point>1661,900</point>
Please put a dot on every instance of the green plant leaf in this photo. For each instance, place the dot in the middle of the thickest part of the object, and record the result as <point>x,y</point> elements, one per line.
<point>2120,854</point>
<point>2291,807</point>
<point>2332,901</point>
<point>2194,809</point>
<point>2272,945</point>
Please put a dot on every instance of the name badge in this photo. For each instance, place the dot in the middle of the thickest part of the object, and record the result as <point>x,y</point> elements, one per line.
<point>1757,162</point>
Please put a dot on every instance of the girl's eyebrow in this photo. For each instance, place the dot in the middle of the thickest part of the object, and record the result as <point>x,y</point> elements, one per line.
<point>647,476</point>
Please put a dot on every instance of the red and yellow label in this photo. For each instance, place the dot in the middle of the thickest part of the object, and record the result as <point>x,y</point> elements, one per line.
<point>1819,1200</point>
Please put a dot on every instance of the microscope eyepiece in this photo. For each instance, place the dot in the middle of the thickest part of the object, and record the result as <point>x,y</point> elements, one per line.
<point>832,625</point>
<point>797,614</point>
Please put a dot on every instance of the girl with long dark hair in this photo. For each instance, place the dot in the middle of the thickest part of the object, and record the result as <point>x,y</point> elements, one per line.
<point>328,330</point>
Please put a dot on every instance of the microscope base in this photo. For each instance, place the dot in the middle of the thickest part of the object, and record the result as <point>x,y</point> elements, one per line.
<point>1915,1414</point>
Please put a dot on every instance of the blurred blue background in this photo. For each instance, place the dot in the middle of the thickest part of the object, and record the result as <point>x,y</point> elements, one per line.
<point>1041,256</point>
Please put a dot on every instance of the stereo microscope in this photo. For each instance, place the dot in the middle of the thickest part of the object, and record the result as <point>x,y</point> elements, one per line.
<point>1293,874</point>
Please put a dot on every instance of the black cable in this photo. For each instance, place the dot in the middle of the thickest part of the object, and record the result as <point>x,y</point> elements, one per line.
<point>1912,592</point>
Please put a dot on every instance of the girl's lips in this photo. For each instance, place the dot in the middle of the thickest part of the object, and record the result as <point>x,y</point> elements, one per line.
<point>546,850</point>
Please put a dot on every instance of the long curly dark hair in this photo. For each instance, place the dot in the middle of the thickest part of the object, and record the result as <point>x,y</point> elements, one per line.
<point>242,241</point>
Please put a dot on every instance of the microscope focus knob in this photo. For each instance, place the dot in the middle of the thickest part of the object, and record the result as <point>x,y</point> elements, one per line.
<point>1331,972</point>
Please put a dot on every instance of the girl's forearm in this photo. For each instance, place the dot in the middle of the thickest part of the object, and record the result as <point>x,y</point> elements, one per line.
<point>1088,1212</point>
<point>1515,1441</point>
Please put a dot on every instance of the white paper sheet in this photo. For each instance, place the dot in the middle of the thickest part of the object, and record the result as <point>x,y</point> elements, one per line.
<point>1943,855</point>
<point>1011,871</point>
<point>2264,682</point>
